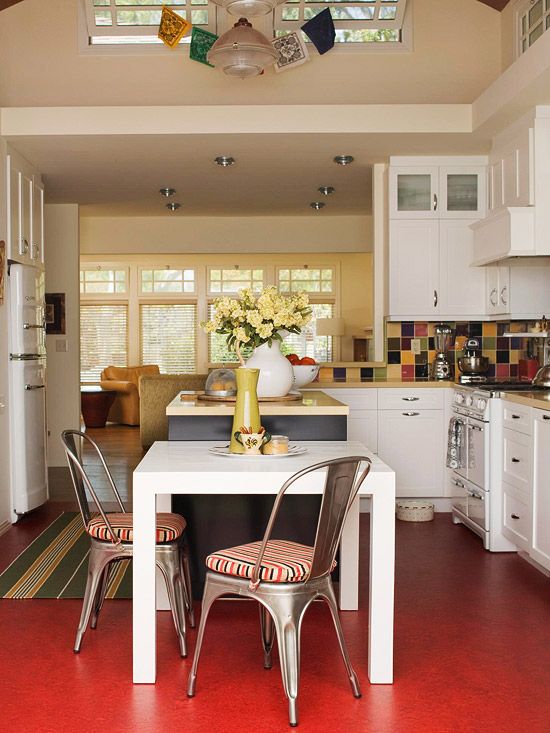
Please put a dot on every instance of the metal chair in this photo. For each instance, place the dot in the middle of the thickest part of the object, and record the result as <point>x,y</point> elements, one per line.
<point>285,577</point>
<point>111,541</point>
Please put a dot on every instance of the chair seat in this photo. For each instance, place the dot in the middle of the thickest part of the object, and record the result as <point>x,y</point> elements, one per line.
<point>283,561</point>
<point>169,527</point>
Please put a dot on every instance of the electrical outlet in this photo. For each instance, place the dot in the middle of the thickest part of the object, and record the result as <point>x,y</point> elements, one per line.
<point>415,346</point>
<point>61,345</point>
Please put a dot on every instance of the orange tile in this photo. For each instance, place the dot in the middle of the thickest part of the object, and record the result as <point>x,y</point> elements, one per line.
<point>393,330</point>
<point>488,329</point>
<point>326,374</point>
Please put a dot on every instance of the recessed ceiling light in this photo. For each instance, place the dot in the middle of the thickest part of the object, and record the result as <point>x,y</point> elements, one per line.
<point>343,159</point>
<point>173,206</point>
<point>167,191</point>
<point>317,205</point>
<point>326,190</point>
<point>224,160</point>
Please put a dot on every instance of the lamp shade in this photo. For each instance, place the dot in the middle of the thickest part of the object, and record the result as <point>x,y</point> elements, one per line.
<point>248,8</point>
<point>242,51</point>
<point>330,327</point>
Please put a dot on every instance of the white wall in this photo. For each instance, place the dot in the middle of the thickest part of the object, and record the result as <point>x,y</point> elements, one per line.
<point>62,268</point>
<point>198,234</point>
<point>4,426</point>
<point>456,55</point>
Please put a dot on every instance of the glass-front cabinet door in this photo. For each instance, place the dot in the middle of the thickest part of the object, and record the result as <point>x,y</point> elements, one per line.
<point>463,192</point>
<point>414,192</point>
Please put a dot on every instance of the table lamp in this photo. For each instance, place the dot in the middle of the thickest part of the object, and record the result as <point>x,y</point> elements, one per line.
<point>329,327</point>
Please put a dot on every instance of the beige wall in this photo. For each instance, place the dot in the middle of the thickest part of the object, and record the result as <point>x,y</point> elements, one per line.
<point>456,55</point>
<point>62,266</point>
<point>128,235</point>
<point>508,33</point>
<point>4,424</point>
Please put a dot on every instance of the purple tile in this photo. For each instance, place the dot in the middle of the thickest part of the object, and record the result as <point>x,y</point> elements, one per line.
<point>503,344</point>
<point>516,343</point>
<point>405,344</point>
<point>339,374</point>
<point>514,370</point>
<point>407,329</point>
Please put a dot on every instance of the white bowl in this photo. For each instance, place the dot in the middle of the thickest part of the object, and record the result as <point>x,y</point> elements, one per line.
<point>304,374</point>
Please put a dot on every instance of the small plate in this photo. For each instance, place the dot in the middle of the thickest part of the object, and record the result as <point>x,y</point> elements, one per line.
<point>223,450</point>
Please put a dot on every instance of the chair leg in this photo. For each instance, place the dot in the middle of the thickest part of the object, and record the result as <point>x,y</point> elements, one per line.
<point>210,594</point>
<point>100,596</point>
<point>330,598</point>
<point>266,628</point>
<point>188,591</point>
<point>97,563</point>
<point>169,563</point>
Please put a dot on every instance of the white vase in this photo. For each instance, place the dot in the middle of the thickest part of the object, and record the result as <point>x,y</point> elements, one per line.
<point>276,375</point>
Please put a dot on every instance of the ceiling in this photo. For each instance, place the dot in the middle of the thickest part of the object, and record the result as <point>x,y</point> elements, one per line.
<point>115,175</point>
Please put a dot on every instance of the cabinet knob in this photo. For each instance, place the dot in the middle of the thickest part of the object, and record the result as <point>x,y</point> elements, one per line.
<point>514,516</point>
<point>516,460</point>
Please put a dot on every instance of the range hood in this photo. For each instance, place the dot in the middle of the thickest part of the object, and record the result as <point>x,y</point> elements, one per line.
<point>507,233</point>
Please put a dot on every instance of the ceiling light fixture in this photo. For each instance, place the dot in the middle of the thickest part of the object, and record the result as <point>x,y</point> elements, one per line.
<point>173,206</point>
<point>248,8</point>
<point>242,51</point>
<point>317,205</point>
<point>343,159</point>
<point>224,160</point>
<point>326,190</point>
<point>167,191</point>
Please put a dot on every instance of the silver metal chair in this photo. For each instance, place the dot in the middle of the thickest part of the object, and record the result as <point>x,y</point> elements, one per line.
<point>283,604</point>
<point>111,545</point>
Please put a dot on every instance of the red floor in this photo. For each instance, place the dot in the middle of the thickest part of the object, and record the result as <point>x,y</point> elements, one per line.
<point>472,653</point>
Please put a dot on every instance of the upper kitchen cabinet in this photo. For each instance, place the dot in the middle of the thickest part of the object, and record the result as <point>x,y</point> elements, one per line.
<point>25,208</point>
<point>437,188</point>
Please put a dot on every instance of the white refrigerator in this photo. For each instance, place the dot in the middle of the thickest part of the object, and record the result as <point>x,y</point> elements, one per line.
<point>27,388</point>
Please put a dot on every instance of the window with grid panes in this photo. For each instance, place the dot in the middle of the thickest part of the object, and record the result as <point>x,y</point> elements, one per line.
<point>100,281</point>
<point>103,338</point>
<point>167,281</point>
<point>168,336</point>
<point>307,343</point>
<point>356,21</point>
<point>137,21</point>
<point>230,281</point>
<point>305,279</point>
<point>533,21</point>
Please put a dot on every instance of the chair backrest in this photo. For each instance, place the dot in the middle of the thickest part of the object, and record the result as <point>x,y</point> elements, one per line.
<point>128,374</point>
<point>343,479</point>
<point>81,481</point>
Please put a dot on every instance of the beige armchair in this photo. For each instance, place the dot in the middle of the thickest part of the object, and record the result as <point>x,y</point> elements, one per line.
<point>124,380</point>
<point>155,392</point>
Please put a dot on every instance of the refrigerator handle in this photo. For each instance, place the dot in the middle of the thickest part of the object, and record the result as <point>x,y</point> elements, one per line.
<point>34,386</point>
<point>26,326</point>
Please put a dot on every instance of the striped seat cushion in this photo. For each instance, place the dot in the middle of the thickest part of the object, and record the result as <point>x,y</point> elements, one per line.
<point>283,561</point>
<point>169,527</point>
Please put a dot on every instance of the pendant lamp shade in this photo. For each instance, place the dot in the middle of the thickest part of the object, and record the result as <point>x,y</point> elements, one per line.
<point>248,8</point>
<point>242,51</point>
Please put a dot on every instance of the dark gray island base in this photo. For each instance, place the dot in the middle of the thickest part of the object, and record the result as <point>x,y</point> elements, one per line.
<point>215,522</point>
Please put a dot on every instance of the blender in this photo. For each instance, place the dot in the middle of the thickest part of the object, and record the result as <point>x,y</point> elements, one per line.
<point>440,367</point>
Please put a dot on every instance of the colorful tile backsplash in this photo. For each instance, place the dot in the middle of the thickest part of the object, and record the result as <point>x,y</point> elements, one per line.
<point>504,353</point>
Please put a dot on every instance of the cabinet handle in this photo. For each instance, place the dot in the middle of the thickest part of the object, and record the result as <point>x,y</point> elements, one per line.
<point>435,202</point>
<point>410,414</point>
<point>546,417</point>
<point>502,298</point>
<point>26,326</point>
<point>475,427</point>
<point>410,399</point>
<point>435,298</point>
<point>514,516</point>
<point>516,460</point>
<point>516,417</point>
<point>493,297</point>
<point>34,386</point>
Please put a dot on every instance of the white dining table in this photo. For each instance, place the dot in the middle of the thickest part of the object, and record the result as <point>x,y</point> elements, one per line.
<point>188,467</point>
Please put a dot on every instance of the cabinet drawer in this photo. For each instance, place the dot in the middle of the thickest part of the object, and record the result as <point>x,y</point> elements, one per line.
<point>357,399</point>
<point>516,456</point>
<point>516,417</point>
<point>516,517</point>
<point>411,399</point>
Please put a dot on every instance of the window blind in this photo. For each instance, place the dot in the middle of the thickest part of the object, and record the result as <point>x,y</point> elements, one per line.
<point>307,343</point>
<point>103,339</point>
<point>168,336</point>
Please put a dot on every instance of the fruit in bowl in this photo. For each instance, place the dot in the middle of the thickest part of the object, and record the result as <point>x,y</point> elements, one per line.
<point>304,372</point>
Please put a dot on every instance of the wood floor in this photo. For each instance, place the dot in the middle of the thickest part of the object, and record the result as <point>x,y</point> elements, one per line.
<point>472,649</point>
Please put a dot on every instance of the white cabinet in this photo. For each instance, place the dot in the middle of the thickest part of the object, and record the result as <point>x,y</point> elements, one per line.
<point>430,272</point>
<point>437,188</point>
<point>497,289</point>
<point>540,541</point>
<point>363,414</point>
<point>516,472</point>
<point>26,212</point>
<point>511,167</point>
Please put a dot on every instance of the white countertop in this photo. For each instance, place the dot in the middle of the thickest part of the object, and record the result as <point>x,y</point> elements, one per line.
<point>312,402</point>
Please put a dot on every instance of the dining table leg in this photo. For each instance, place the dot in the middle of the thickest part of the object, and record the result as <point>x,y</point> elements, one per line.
<point>349,560</point>
<point>143,604</point>
<point>381,582</point>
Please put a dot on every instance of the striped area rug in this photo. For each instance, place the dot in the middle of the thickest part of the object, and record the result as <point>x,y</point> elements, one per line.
<point>55,565</point>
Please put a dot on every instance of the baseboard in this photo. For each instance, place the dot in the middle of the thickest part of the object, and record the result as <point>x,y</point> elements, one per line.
<point>4,526</point>
<point>440,505</point>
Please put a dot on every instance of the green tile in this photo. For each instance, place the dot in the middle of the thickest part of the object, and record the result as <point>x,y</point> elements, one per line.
<point>489,342</point>
<point>380,374</point>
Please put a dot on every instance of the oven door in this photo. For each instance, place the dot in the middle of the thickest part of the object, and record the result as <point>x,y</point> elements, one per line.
<point>477,507</point>
<point>475,452</point>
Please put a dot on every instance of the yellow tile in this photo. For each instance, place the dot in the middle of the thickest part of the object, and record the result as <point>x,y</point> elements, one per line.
<point>353,374</point>
<point>431,329</point>
<point>489,329</point>
<point>393,330</point>
<point>514,356</point>
<point>326,374</point>
<point>394,371</point>
<point>407,357</point>
<point>459,342</point>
